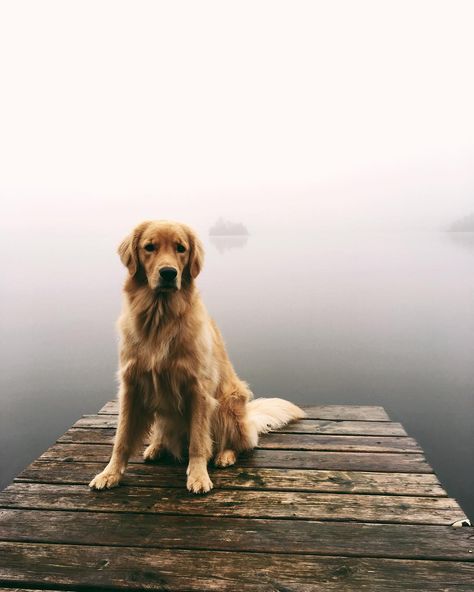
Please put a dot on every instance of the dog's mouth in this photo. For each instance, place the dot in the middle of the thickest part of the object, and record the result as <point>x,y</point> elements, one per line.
<point>166,287</point>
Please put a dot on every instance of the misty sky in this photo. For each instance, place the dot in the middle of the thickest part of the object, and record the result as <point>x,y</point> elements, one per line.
<point>316,114</point>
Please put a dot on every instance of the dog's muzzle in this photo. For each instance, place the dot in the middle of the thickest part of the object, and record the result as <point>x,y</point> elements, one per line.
<point>167,279</point>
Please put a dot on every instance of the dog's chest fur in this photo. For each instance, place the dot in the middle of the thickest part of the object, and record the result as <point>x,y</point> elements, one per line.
<point>172,349</point>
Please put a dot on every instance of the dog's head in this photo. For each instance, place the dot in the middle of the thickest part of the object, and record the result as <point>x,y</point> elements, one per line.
<point>166,254</point>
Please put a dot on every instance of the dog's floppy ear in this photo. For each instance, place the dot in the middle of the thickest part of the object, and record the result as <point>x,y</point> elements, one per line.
<point>128,248</point>
<point>196,254</point>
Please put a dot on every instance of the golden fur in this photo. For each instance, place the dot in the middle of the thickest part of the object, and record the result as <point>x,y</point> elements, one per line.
<point>176,380</point>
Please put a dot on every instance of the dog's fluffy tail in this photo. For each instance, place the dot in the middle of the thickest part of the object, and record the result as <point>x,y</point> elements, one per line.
<point>271,414</point>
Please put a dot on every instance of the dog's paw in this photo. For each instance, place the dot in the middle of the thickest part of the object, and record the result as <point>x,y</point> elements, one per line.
<point>105,480</point>
<point>152,452</point>
<point>199,483</point>
<point>226,458</point>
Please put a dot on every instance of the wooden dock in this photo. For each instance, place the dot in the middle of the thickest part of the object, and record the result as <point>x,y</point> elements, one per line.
<point>341,501</point>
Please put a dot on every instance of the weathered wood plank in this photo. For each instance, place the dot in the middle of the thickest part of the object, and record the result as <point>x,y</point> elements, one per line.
<point>373,444</point>
<point>287,459</point>
<point>110,408</point>
<point>174,570</point>
<point>343,427</point>
<point>331,412</point>
<point>356,507</point>
<point>227,534</point>
<point>30,590</point>
<point>236,477</point>
<point>349,412</point>
<point>274,440</point>
<point>305,426</point>
<point>231,503</point>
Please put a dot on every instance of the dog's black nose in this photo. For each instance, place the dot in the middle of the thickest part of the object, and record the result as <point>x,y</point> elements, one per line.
<point>168,273</point>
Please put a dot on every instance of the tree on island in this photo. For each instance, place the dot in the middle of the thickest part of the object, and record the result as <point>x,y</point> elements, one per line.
<point>465,224</point>
<point>226,228</point>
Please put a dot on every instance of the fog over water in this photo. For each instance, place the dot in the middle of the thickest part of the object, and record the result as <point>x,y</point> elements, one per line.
<point>341,134</point>
<point>353,318</point>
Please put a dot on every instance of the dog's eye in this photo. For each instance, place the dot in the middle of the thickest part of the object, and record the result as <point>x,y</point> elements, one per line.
<point>180,248</point>
<point>150,247</point>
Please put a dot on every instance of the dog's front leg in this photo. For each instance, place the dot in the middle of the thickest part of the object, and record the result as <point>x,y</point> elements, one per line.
<point>200,442</point>
<point>132,425</point>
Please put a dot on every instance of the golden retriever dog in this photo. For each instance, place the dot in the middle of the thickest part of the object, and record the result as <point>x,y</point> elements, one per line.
<point>177,383</point>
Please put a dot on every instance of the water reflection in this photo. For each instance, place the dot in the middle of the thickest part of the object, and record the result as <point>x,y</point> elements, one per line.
<point>227,243</point>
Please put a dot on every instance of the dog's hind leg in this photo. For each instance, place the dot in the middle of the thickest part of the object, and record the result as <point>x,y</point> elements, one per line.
<point>233,431</point>
<point>225,458</point>
<point>168,435</point>
<point>155,449</point>
<point>225,439</point>
<point>237,439</point>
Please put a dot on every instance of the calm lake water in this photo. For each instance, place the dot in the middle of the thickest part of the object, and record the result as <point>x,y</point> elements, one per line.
<point>346,318</point>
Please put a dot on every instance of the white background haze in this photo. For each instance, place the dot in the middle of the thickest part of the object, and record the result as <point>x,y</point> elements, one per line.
<point>314,114</point>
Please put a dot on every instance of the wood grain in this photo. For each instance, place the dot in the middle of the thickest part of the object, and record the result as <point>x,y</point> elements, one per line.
<point>341,501</point>
<point>237,477</point>
<point>124,568</point>
<point>283,459</point>
<point>30,590</point>
<point>334,412</point>
<point>228,534</point>
<point>232,503</point>
<point>286,441</point>
<point>305,426</point>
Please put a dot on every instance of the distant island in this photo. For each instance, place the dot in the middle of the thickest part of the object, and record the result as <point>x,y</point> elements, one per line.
<point>226,228</point>
<point>465,224</point>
